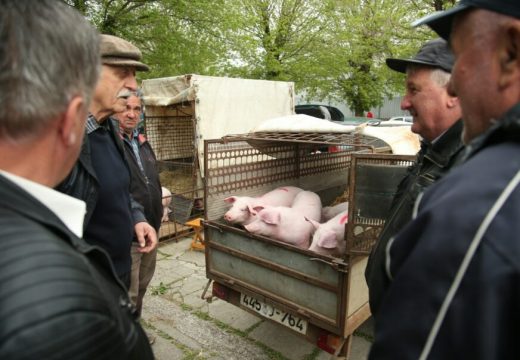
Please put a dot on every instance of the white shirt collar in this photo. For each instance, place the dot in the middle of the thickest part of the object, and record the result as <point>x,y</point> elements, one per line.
<point>71,211</point>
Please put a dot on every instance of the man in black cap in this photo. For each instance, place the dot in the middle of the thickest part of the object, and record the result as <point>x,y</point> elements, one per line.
<point>455,268</point>
<point>101,177</point>
<point>436,117</point>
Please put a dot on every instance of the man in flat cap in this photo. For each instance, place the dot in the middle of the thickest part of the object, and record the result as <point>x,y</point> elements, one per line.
<point>436,117</point>
<point>456,275</point>
<point>101,177</point>
<point>60,297</point>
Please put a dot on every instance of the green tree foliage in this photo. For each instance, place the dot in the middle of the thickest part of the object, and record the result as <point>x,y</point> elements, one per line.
<point>275,39</point>
<point>331,49</point>
<point>175,36</point>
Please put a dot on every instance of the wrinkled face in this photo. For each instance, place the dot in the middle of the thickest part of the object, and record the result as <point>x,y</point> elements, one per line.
<point>474,73</point>
<point>427,102</point>
<point>129,118</point>
<point>113,88</point>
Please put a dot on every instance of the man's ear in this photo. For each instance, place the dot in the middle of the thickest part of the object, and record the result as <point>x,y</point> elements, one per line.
<point>73,121</point>
<point>509,55</point>
<point>452,101</point>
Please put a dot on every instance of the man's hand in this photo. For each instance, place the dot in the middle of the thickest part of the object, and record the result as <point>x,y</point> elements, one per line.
<point>146,237</point>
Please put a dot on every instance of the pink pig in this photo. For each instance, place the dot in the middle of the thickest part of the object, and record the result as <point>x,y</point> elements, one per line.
<point>328,212</point>
<point>166,200</point>
<point>242,210</point>
<point>329,238</point>
<point>288,224</point>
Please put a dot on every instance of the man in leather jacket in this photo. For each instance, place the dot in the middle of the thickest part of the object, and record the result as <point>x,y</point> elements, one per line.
<point>101,177</point>
<point>60,297</point>
<point>436,118</point>
<point>455,291</point>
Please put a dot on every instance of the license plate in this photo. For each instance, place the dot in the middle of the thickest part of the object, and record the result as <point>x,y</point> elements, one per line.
<point>291,321</point>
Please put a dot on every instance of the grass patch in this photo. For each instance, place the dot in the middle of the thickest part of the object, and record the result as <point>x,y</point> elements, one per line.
<point>273,354</point>
<point>363,335</point>
<point>202,315</point>
<point>252,327</point>
<point>188,353</point>
<point>160,289</point>
<point>313,355</point>
<point>186,307</point>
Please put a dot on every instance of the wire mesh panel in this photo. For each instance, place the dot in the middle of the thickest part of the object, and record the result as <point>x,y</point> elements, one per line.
<point>373,183</point>
<point>171,133</point>
<point>253,164</point>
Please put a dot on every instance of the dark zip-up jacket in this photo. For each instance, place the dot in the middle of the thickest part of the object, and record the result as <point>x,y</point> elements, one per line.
<point>433,162</point>
<point>455,269</point>
<point>59,296</point>
<point>82,183</point>
<point>145,187</point>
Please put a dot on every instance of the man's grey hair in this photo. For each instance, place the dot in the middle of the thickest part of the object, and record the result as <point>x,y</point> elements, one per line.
<point>49,53</point>
<point>439,76</point>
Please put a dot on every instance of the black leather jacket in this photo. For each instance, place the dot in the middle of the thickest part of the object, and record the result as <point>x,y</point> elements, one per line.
<point>60,297</point>
<point>433,162</point>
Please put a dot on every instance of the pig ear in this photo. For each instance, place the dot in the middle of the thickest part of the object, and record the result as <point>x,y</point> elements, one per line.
<point>230,200</point>
<point>270,217</point>
<point>328,241</point>
<point>314,223</point>
<point>252,210</point>
<point>256,209</point>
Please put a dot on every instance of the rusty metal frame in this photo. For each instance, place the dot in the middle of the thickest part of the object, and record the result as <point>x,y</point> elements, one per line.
<point>362,232</point>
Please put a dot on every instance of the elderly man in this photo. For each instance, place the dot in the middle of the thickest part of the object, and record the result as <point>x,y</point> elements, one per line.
<point>436,117</point>
<point>60,297</point>
<point>101,177</point>
<point>456,274</point>
<point>146,190</point>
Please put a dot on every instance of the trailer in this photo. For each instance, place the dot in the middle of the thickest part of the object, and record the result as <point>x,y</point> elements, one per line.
<point>321,298</point>
<point>182,111</point>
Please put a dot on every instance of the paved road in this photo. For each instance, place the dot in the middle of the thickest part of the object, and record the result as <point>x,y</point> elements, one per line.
<point>187,327</point>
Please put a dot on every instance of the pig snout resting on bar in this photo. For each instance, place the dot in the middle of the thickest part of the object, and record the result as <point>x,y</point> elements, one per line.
<point>166,200</point>
<point>288,224</point>
<point>329,238</point>
<point>242,209</point>
<point>328,212</point>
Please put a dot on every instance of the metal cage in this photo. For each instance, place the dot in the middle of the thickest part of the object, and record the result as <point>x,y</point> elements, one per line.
<point>372,186</point>
<point>171,133</point>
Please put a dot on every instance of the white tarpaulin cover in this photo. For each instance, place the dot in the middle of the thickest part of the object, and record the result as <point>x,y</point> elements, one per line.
<point>223,105</point>
<point>400,138</point>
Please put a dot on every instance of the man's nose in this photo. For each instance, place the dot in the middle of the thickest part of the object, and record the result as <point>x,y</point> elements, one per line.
<point>406,103</point>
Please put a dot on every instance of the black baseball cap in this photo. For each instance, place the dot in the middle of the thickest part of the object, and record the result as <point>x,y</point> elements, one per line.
<point>435,53</point>
<point>441,21</point>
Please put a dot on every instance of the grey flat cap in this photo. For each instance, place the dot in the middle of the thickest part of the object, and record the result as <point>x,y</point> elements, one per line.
<point>119,52</point>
